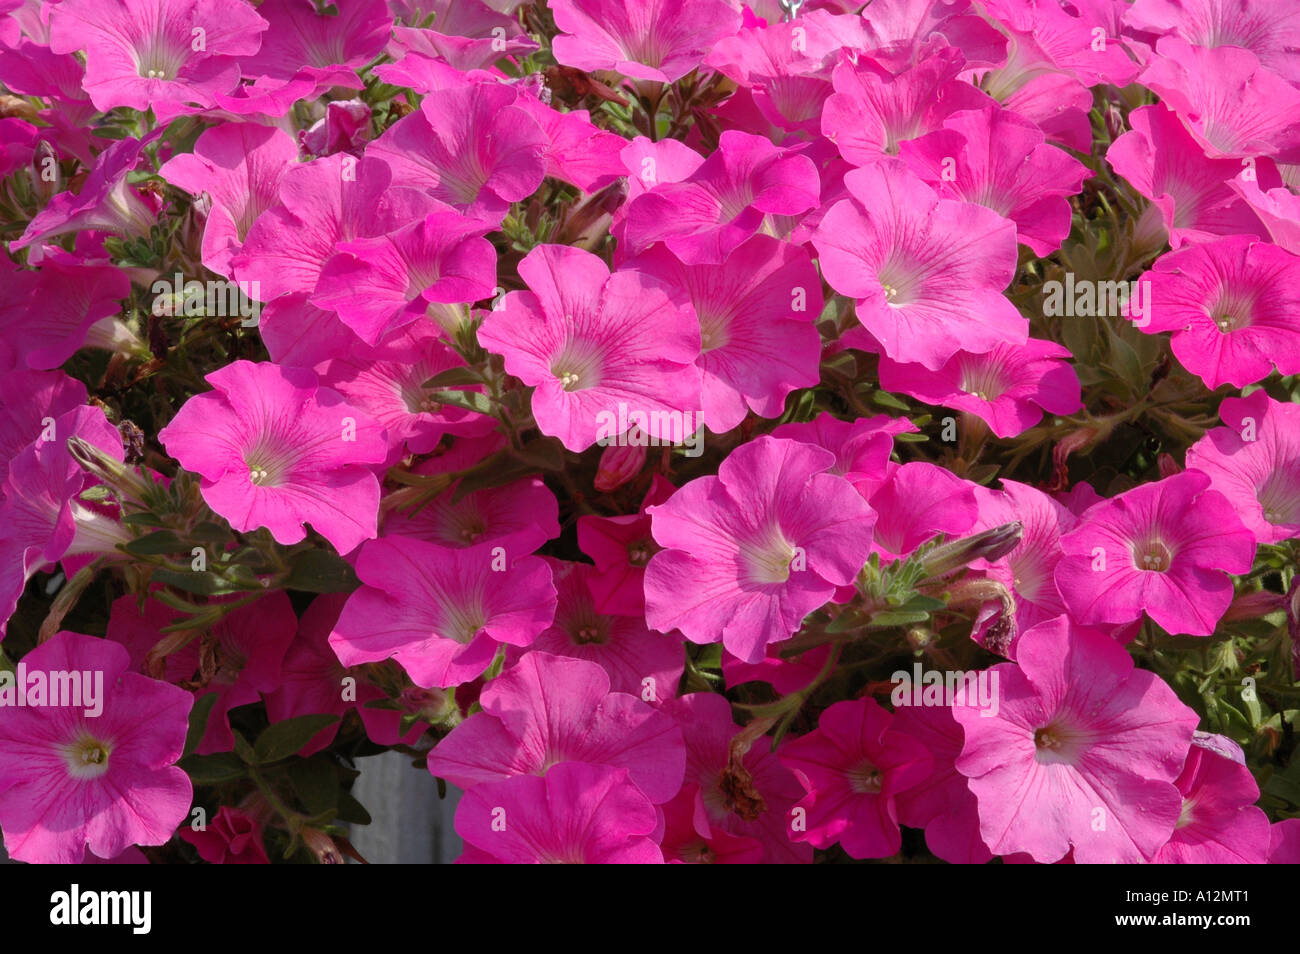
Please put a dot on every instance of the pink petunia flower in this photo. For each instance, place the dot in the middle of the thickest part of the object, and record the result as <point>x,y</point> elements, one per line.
<point>898,31</point>
<point>639,661</point>
<point>233,837</point>
<point>276,450</point>
<point>1001,160</point>
<point>705,216</point>
<point>238,659</point>
<point>26,399</point>
<point>42,521</point>
<point>916,502</point>
<point>304,38</point>
<point>1232,306</point>
<point>1162,548</point>
<point>1053,56</point>
<point>575,814</point>
<point>518,517</point>
<point>470,35</point>
<point>1277,207</point>
<point>1232,105</point>
<point>105,201</point>
<point>239,166</point>
<point>1269,30</point>
<point>861,447</point>
<point>546,710</point>
<point>1255,463</point>
<point>470,147</point>
<point>927,273</point>
<point>873,110</point>
<point>786,66</point>
<point>323,204</point>
<point>621,547</point>
<point>441,613</point>
<point>312,681</point>
<point>1161,160</point>
<point>1082,752</point>
<point>853,768</point>
<point>590,342</point>
<point>159,54</point>
<point>1284,842</point>
<point>387,383</point>
<point>690,839</point>
<point>70,780</point>
<point>379,285</point>
<point>1008,387</point>
<point>1028,570</point>
<point>659,40</point>
<point>756,314</point>
<point>63,306</point>
<point>751,552</point>
<point>942,802</point>
<point>1219,823</point>
<point>750,797</point>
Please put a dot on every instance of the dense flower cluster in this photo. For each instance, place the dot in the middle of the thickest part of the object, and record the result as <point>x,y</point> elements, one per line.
<point>707,431</point>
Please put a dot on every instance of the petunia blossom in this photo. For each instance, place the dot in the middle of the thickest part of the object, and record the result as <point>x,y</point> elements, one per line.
<point>72,778</point>
<point>547,710</point>
<point>239,166</point>
<point>1255,463</point>
<point>575,814</point>
<point>276,450</point>
<point>592,343</point>
<point>928,273</point>
<point>1008,387</point>
<point>853,768</point>
<point>441,613</point>
<point>157,54</point>
<point>468,146</point>
<point>751,552</point>
<point>1083,752</point>
<point>1001,160</point>
<point>1162,548</point>
<point>705,216</point>
<point>1219,822</point>
<point>756,314</point>
<point>1232,305</point>
<point>658,40</point>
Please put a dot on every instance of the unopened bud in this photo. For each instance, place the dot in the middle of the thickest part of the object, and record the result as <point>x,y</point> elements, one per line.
<point>322,846</point>
<point>989,545</point>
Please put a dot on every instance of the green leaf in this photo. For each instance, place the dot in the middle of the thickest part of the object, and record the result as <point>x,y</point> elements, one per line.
<point>507,466</point>
<point>1285,785</point>
<point>890,618</point>
<point>352,811</point>
<point>142,519</point>
<point>469,400</point>
<point>199,713</point>
<point>204,584</point>
<point>283,739</point>
<point>242,748</point>
<point>317,785</point>
<point>213,769</point>
<point>545,453</point>
<point>845,622</point>
<point>453,377</point>
<point>320,571</point>
<point>885,399</point>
